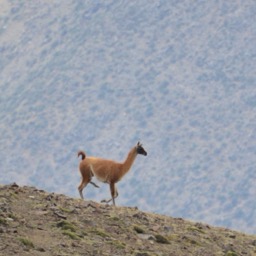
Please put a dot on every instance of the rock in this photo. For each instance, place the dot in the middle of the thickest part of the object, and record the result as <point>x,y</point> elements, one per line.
<point>199,225</point>
<point>168,229</point>
<point>146,237</point>
<point>41,213</point>
<point>89,204</point>
<point>60,215</point>
<point>40,249</point>
<point>90,223</point>
<point>140,215</point>
<point>14,185</point>
<point>49,197</point>
<point>155,228</point>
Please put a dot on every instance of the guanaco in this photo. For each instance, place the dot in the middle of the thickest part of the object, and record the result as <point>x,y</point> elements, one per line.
<point>106,171</point>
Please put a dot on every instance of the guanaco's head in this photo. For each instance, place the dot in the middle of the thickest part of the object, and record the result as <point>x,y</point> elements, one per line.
<point>140,149</point>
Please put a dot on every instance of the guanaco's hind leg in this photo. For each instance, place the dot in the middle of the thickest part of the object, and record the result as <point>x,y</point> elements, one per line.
<point>86,178</point>
<point>114,194</point>
<point>95,185</point>
<point>82,185</point>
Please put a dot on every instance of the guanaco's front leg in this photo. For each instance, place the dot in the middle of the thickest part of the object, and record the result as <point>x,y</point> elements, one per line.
<point>114,194</point>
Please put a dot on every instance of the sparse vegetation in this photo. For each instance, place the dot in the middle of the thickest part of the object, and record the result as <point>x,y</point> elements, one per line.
<point>97,229</point>
<point>230,253</point>
<point>66,209</point>
<point>26,242</point>
<point>3,221</point>
<point>196,229</point>
<point>117,244</point>
<point>100,232</point>
<point>115,218</point>
<point>71,234</point>
<point>189,240</point>
<point>65,225</point>
<point>12,216</point>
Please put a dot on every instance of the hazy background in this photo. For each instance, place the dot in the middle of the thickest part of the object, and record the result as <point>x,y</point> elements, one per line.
<point>100,75</point>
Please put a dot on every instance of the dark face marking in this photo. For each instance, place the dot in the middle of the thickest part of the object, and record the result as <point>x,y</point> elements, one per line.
<point>140,149</point>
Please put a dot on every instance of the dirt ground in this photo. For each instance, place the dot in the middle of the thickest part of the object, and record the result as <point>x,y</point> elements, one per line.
<point>34,222</point>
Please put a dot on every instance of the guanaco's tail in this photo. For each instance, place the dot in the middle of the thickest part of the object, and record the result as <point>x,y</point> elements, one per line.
<point>81,153</point>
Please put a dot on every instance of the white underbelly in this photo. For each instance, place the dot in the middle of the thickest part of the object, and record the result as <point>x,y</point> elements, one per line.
<point>100,178</point>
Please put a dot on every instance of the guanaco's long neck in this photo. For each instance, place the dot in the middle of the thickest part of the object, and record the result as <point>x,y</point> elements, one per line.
<point>126,165</point>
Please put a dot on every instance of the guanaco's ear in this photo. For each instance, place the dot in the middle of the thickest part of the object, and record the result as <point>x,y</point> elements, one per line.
<point>138,144</point>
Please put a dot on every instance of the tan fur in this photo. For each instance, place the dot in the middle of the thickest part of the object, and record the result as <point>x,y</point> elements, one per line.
<point>104,170</point>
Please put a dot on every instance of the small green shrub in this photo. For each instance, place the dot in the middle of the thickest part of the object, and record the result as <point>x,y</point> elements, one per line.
<point>117,244</point>
<point>26,242</point>
<point>196,229</point>
<point>115,218</point>
<point>139,230</point>
<point>65,225</point>
<point>230,253</point>
<point>100,232</point>
<point>71,234</point>
<point>66,210</point>
<point>161,239</point>
<point>3,221</point>
<point>141,253</point>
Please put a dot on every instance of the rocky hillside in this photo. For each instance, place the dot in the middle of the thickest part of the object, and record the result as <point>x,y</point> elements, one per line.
<point>34,222</point>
